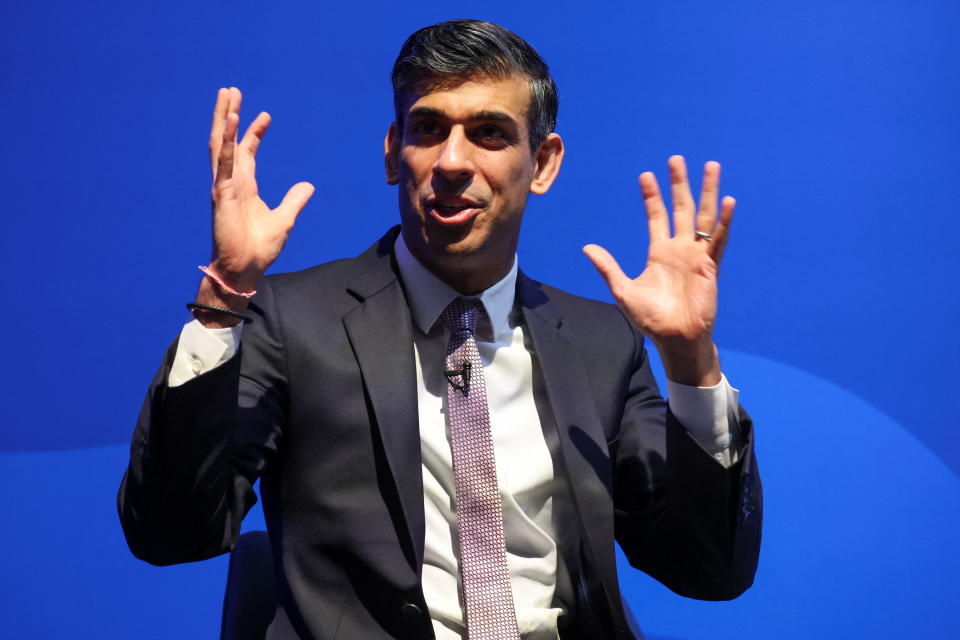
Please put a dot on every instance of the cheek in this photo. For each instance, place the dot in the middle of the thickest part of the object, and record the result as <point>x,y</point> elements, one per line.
<point>517,183</point>
<point>409,180</point>
<point>517,174</point>
<point>415,162</point>
<point>408,192</point>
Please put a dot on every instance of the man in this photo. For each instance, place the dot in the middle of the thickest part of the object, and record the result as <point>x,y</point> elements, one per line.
<point>446,447</point>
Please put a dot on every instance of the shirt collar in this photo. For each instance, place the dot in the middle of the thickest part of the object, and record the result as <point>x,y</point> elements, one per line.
<point>428,295</point>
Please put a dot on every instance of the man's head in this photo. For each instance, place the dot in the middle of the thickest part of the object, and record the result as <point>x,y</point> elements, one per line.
<point>473,137</point>
<point>460,49</point>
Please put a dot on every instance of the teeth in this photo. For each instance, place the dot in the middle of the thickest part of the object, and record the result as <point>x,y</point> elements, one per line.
<point>451,208</point>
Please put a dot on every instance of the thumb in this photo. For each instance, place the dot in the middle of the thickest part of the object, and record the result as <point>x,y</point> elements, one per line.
<point>607,266</point>
<point>295,200</point>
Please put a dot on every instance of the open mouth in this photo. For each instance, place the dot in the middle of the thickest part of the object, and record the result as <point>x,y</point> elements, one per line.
<point>454,212</point>
<point>448,211</point>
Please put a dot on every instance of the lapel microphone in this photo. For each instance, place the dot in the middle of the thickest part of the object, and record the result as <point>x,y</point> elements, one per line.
<point>463,372</point>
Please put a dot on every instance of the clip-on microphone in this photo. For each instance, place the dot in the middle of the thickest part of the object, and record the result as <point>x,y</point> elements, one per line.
<point>464,373</point>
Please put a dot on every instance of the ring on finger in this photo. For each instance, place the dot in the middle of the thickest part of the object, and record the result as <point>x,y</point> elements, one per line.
<point>702,235</point>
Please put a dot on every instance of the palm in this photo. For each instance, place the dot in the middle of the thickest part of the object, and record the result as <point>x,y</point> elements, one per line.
<point>676,295</point>
<point>674,300</point>
<point>247,234</point>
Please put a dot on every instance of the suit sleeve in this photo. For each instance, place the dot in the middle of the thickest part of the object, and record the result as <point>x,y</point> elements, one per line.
<point>680,516</point>
<point>199,447</point>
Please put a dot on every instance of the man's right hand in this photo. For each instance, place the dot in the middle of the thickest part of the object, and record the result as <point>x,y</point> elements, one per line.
<point>247,234</point>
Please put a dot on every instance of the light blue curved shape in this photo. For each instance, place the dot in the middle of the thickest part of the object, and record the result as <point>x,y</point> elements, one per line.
<point>860,528</point>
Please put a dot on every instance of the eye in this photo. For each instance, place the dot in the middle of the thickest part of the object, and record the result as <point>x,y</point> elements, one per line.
<point>490,132</point>
<point>426,127</point>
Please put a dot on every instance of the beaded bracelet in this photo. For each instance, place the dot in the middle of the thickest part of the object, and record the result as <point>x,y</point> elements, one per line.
<point>191,306</point>
<point>223,285</point>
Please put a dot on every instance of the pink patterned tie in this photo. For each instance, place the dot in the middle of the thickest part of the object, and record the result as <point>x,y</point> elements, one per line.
<point>487,596</point>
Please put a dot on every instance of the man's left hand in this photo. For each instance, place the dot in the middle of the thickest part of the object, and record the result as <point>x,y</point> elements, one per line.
<point>674,300</point>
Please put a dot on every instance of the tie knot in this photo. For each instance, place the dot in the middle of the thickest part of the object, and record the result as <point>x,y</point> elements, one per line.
<point>461,315</point>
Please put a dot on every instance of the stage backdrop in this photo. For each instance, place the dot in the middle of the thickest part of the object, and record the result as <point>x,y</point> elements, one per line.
<point>837,125</point>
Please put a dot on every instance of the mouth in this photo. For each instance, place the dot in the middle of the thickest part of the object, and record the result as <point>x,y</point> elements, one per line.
<point>452,211</point>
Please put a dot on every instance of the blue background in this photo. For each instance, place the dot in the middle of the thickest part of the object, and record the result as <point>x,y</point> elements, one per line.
<point>837,125</point>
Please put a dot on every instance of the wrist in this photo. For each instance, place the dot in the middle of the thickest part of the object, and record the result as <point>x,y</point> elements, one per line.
<point>234,283</point>
<point>695,364</point>
<point>212,294</point>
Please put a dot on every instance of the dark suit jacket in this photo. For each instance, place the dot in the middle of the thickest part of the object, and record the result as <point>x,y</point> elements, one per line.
<point>327,419</point>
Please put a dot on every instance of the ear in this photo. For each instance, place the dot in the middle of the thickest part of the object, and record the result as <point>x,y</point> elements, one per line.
<point>548,158</point>
<point>391,154</point>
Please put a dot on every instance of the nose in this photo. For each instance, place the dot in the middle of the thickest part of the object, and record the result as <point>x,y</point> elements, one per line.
<point>455,160</point>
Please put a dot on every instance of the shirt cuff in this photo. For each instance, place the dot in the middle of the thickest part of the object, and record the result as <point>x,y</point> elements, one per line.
<point>710,415</point>
<point>201,350</point>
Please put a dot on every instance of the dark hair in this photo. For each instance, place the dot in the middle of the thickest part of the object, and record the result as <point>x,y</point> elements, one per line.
<point>459,49</point>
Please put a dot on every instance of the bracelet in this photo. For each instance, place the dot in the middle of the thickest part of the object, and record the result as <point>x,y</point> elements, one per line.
<point>223,285</point>
<point>192,306</point>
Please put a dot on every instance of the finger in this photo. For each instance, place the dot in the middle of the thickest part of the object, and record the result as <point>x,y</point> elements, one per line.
<point>216,127</point>
<point>707,212</point>
<point>234,98</point>
<point>227,148</point>
<point>721,232</point>
<point>220,111</point>
<point>658,222</point>
<point>295,200</point>
<point>682,197</point>
<point>608,268</point>
<point>254,134</point>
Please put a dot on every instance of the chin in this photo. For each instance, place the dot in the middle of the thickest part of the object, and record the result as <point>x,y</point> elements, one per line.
<point>453,240</point>
<point>463,249</point>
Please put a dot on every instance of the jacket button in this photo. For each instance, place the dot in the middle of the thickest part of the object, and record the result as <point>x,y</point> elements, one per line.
<point>410,611</point>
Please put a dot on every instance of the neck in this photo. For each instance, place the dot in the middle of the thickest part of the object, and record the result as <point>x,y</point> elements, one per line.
<point>468,274</point>
<point>466,278</point>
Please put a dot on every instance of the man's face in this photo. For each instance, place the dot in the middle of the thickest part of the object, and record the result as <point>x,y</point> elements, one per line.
<point>464,167</point>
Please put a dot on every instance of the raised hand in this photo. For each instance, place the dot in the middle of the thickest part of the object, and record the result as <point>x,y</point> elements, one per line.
<point>674,300</point>
<point>247,234</point>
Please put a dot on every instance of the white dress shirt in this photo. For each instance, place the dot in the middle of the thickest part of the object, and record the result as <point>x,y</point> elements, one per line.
<point>524,466</point>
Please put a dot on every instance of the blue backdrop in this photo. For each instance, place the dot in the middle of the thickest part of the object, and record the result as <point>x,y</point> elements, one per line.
<point>837,125</point>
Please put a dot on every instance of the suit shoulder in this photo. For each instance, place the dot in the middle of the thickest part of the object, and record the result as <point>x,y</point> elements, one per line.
<point>570,303</point>
<point>317,291</point>
<point>594,316</point>
<point>321,275</point>
<point>367,271</point>
<point>573,301</point>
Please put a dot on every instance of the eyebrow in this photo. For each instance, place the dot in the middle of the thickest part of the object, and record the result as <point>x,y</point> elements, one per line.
<point>484,115</point>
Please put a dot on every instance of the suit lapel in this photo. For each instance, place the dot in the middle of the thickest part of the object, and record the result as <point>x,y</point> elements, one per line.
<point>381,334</point>
<point>580,434</point>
